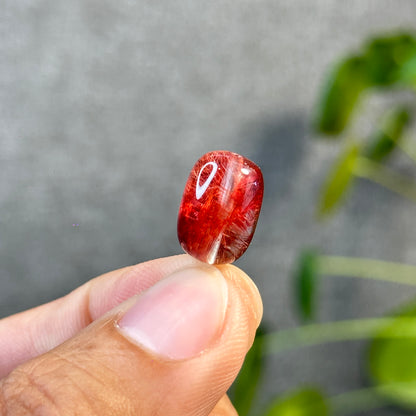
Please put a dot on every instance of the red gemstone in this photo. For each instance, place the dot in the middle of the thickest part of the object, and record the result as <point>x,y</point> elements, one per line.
<point>220,207</point>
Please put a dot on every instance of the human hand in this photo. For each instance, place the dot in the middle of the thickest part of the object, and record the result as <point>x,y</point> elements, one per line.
<point>130,343</point>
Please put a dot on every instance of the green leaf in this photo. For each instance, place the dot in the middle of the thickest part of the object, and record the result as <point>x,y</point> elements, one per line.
<point>303,402</point>
<point>407,73</point>
<point>340,95</point>
<point>385,61</point>
<point>385,57</point>
<point>246,385</point>
<point>305,281</point>
<point>384,141</point>
<point>338,181</point>
<point>392,359</point>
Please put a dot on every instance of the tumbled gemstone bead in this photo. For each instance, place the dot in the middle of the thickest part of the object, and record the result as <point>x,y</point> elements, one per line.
<point>220,207</point>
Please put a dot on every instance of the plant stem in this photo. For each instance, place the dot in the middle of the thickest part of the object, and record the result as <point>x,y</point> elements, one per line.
<point>360,400</point>
<point>366,168</point>
<point>367,269</point>
<point>348,330</point>
<point>355,401</point>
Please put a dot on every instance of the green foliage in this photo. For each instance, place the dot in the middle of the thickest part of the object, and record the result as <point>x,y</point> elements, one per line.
<point>383,63</point>
<point>392,358</point>
<point>303,402</point>
<point>338,180</point>
<point>384,141</point>
<point>388,61</point>
<point>305,281</point>
<point>340,95</point>
<point>247,383</point>
<point>408,72</point>
<point>385,56</point>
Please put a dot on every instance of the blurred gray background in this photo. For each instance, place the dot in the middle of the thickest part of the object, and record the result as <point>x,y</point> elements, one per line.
<point>104,108</point>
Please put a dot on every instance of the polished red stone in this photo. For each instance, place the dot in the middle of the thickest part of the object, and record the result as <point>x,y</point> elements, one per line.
<point>220,207</point>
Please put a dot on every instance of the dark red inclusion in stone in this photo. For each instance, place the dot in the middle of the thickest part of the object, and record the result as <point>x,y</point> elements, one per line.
<point>220,207</point>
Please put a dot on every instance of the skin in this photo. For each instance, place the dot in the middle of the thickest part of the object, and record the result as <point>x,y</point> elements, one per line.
<point>67,357</point>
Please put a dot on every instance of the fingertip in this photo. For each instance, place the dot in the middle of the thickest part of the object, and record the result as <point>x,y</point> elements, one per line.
<point>248,291</point>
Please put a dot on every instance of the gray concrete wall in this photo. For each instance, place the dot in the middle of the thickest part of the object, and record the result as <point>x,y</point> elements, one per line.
<point>104,108</point>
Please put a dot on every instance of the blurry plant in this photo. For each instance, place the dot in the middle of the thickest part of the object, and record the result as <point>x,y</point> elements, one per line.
<point>384,63</point>
<point>246,385</point>
<point>304,402</point>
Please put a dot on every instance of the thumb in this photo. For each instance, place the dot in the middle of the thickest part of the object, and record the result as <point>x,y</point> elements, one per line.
<point>174,349</point>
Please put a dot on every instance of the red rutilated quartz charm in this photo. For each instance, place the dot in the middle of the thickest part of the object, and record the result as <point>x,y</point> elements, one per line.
<point>220,207</point>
